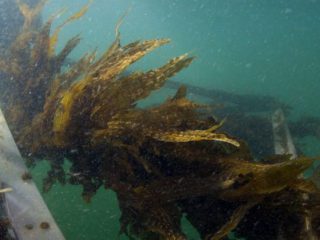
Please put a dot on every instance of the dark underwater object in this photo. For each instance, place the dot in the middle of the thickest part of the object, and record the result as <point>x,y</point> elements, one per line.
<point>160,160</point>
<point>235,103</point>
<point>248,117</point>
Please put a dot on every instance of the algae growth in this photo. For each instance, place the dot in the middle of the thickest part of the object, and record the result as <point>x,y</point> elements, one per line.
<point>164,161</point>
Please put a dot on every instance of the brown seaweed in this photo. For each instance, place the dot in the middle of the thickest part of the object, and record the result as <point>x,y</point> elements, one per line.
<point>159,160</point>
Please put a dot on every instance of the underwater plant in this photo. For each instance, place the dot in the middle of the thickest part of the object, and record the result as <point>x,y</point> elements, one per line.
<point>163,161</point>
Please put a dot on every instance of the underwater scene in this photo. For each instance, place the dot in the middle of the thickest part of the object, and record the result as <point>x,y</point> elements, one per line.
<point>160,119</point>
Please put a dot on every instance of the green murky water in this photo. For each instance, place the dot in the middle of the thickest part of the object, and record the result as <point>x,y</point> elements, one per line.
<point>243,46</point>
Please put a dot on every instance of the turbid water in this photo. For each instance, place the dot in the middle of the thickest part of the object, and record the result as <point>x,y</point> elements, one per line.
<point>246,46</point>
<point>263,47</point>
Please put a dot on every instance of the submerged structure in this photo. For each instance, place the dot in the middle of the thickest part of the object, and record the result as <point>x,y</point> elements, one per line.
<point>164,161</point>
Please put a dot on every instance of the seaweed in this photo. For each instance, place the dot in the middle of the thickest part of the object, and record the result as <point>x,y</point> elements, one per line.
<point>159,160</point>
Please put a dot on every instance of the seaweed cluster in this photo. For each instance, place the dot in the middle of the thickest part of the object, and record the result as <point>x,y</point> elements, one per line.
<point>249,118</point>
<point>164,162</point>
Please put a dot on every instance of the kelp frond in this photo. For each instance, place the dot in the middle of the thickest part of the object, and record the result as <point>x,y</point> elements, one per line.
<point>74,17</point>
<point>233,222</point>
<point>261,179</point>
<point>163,162</point>
<point>30,14</point>
<point>195,135</point>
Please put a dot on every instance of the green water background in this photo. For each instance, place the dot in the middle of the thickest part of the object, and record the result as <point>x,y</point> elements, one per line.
<point>244,46</point>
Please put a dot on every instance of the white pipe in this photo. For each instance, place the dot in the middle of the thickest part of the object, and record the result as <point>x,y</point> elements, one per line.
<point>28,213</point>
